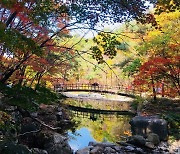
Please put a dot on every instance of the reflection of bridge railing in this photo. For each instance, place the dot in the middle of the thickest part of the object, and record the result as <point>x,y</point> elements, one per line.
<point>95,88</point>
<point>96,113</point>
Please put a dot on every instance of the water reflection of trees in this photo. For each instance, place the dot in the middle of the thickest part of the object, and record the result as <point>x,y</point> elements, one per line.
<point>110,130</point>
<point>99,104</point>
<point>103,127</point>
<point>108,126</point>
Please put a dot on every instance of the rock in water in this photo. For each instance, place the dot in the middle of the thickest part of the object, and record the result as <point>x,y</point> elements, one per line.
<point>54,143</point>
<point>103,144</point>
<point>137,140</point>
<point>97,150</point>
<point>109,150</point>
<point>150,145</point>
<point>143,125</point>
<point>154,138</point>
<point>129,148</point>
<point>83,151</point>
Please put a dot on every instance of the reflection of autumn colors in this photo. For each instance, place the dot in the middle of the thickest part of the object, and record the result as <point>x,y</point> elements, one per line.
<point>110,129</point>
<point>104,127</point>
<point>98,104</point>
<point>128,133</point>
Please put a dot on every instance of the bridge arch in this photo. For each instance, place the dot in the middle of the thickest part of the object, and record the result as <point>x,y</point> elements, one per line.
<point>94,113</point>
<point>58,88</point>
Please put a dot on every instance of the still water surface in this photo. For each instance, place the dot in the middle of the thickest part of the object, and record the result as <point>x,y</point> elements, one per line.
<point>98,127</point>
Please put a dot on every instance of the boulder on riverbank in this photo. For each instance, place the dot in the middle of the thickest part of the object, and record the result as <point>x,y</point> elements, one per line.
<point>128,148</point>
<point>53,143</point>
<point>144,125</point>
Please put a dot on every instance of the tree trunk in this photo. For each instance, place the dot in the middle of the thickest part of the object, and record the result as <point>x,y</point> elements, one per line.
<point>8,73</point>
<point>39,79</point>
<point>22,74</point>
<point>11,17</point>
<point>153,88</point>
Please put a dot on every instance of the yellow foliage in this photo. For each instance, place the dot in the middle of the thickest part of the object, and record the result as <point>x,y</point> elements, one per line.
<point>109,61</point>
<point>167,18</point>
<point>153,34</point>
<point>4,117</point>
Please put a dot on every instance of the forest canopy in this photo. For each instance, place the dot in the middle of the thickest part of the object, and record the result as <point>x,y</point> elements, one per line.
<point>36,42</point>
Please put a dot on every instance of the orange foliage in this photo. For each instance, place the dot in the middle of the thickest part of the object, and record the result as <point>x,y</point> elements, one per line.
<point>160,70</point>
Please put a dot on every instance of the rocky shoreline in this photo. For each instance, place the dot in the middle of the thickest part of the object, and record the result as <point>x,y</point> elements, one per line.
<point>43,132</point>
<point>146,139</point>
<point>124,148</point>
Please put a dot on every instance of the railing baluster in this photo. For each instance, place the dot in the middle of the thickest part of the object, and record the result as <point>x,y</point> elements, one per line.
<point>80,86</point>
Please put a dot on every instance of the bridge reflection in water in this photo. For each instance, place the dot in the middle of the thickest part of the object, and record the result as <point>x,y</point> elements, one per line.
<point>101,121</point>
<point>96,109</point>
<point>94,114</point>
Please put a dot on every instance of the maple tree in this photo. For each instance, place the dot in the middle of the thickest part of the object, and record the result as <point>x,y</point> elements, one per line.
<point>25,34</point>
<point>106,44</point>
<point>160,68</point>
<point>153,59</point>
<point>159,73</point>
<point>28,27</point>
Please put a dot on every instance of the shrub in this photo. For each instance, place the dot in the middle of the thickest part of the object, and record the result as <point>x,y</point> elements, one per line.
<point>28,98</point>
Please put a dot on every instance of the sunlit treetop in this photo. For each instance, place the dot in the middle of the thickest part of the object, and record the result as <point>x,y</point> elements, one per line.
<point>167,6</point>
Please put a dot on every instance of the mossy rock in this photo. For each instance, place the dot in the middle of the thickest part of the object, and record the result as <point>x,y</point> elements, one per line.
<point>153,138</point>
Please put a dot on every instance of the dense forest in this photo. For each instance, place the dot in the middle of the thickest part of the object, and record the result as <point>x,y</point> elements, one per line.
<point>38,48</point>
<point>129,43</point>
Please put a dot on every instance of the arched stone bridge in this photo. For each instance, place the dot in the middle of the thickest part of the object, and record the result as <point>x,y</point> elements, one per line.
<point>120,90</point>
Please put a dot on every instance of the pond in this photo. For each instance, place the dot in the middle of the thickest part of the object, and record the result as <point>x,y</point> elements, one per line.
<point>94,125</point>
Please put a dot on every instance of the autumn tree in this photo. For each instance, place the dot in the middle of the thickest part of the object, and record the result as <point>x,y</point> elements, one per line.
<point>28,27</point>
<point>24,32</point>
<point>160,69</point>
<point>167,6</point>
